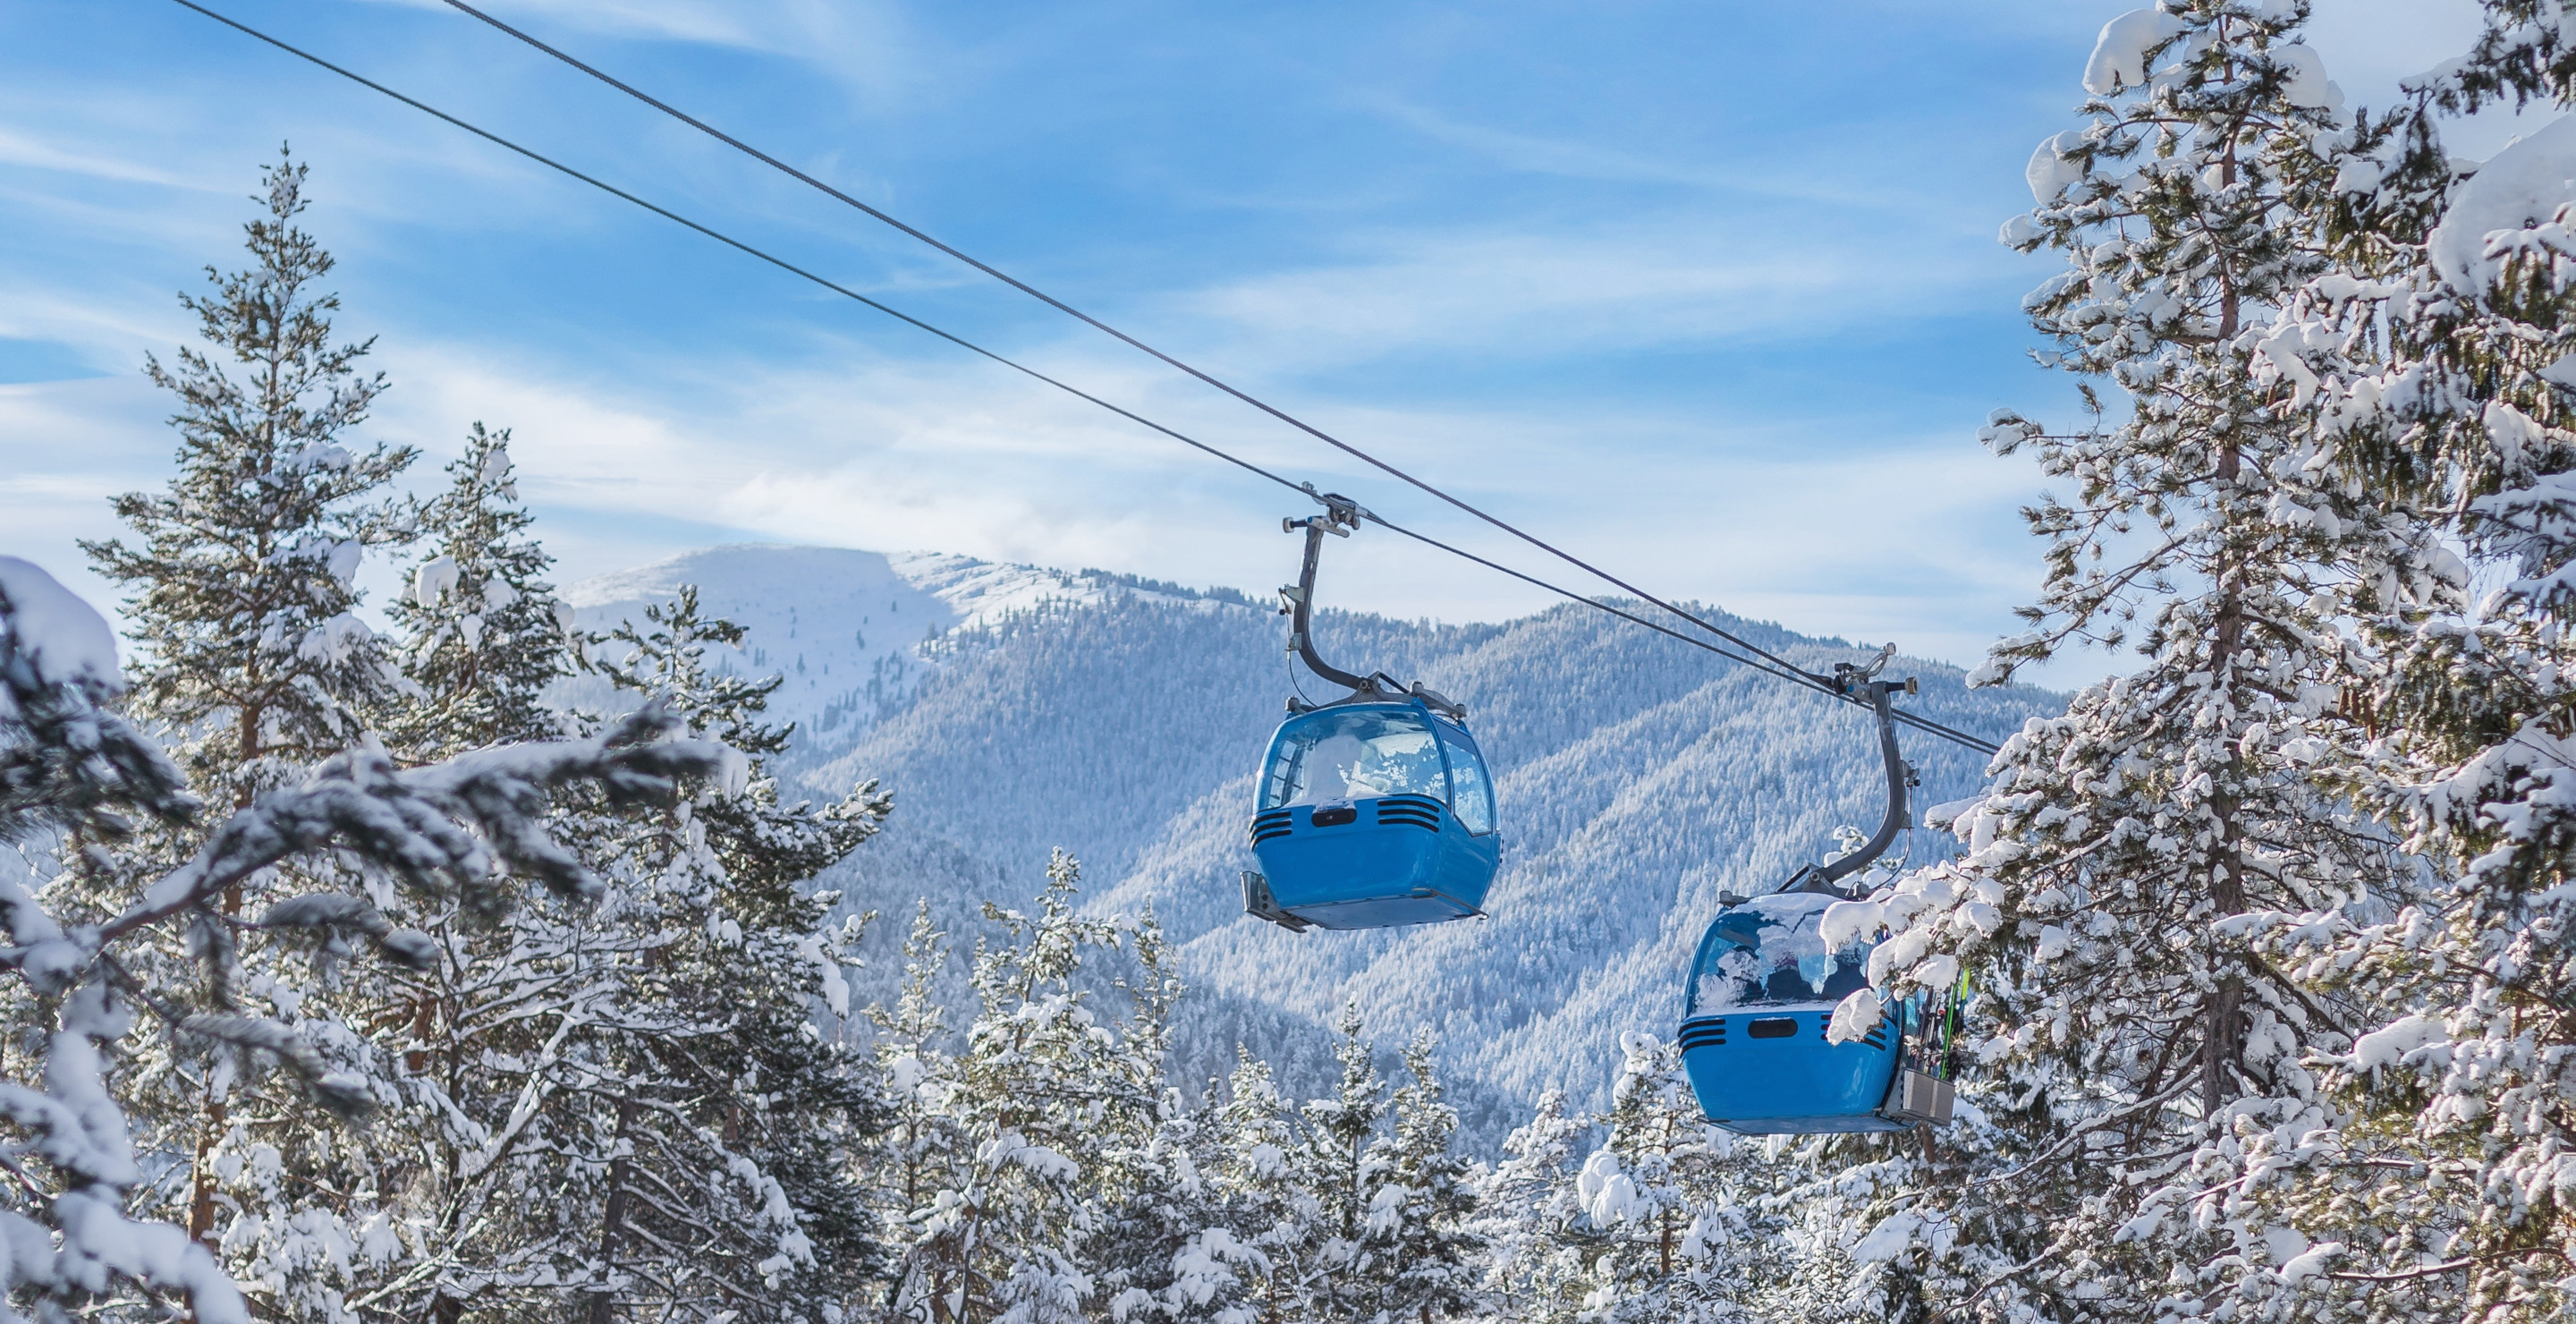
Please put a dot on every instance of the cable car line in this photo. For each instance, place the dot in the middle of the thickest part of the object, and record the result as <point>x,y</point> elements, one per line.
<point>1785,668</point>
<point>1821,682</point>
<point>1793,674</point>
<point>731,242</point>
<point>1761,660</point>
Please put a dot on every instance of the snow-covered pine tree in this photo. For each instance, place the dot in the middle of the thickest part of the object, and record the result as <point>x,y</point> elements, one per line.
<point>2132,1033</point>
<point>2447,1189</point>
<point>483,632</point>
<point>243,581</point>
<point>1419,1258</point>
<point>1048,1096</point>
<point>923,1141</point>
<point>705,1129</point>
<point>1332,1164</point>
<point>243,599</point>
<point>1530,1216</point>
<point>1658,1204</point>
<point>69,767</point>
<point>1175,1240</point>
<point>1277,1215</point>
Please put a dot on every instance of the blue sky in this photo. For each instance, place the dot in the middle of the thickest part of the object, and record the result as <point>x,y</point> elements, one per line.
<point>1708,291</point>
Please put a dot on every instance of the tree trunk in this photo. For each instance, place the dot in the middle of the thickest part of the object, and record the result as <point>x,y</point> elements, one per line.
<point>2225,1045</point>
<point>2223,1042</point>
<point>201,1177</point>
<point>210,1129</point>
<point>612,1223</point>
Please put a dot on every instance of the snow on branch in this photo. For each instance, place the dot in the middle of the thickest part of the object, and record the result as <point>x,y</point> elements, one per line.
<point>64,759</point>
<point>415,823</point>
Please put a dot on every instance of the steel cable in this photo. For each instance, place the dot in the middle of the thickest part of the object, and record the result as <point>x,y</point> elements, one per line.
<point>1087,319</point>
<point>1761,660</point>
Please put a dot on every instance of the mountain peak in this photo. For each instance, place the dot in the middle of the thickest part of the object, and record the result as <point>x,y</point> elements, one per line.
<point>844,626</point>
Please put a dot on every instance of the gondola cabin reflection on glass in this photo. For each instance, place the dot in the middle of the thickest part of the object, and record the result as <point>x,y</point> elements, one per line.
<point>1768,974</point>
<point>1375,809</point>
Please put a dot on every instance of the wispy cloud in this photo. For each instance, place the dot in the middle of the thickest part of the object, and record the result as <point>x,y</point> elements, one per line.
<point>1568,158</point>
<point>700,22</point>
<point>865,45</point>
<point>20,149</point>
<point>1522,293</point>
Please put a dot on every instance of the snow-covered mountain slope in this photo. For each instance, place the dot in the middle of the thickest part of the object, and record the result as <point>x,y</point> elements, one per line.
<point>845,628</point>
<point>1121,721</point>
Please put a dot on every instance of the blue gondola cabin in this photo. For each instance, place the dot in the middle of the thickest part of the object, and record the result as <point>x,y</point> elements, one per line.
<point>1762,989</point>
<point>1374,814</point>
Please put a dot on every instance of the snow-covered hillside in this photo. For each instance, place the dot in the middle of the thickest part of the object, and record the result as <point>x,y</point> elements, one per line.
<point>845,628</point>
<point>1013,709</point>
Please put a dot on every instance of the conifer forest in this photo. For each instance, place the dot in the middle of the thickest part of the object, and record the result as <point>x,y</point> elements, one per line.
<point>492,951</point>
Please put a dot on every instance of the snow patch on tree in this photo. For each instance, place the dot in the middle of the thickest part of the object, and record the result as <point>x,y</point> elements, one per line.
<point>58,636</point>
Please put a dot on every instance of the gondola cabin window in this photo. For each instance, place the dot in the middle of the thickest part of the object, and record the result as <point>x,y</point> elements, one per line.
<point>1354,754</point>
<point>1475,801</point>
<point>1766,953</point>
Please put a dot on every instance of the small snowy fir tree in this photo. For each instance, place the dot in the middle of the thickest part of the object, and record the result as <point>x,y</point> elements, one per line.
<point>923,1141</point>
<point>1049,1097</point>
<point>1276,1214</point>
<point>483,632</point>
<point>1665,1218</point>
<point>2133,1032</point>
<point>1659,1206</point>
<point>1332,1163</point>
<point>1175,1241</point>
<point>1538,1252</point>
<point>1418,1251</point>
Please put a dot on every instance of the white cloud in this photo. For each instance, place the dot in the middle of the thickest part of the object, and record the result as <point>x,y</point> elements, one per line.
<point>1529,293</point>
<point>20,149</point>
<point>865,45</point>
<point>1538,154</point>
<point>703,22</point>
